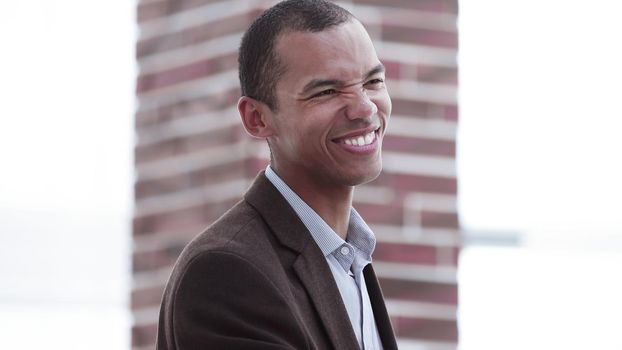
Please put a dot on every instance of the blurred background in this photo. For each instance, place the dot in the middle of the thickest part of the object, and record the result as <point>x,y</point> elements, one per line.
<point>497,214</point>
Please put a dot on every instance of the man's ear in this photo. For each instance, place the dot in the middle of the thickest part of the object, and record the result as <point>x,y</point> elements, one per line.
<point>255,117</point>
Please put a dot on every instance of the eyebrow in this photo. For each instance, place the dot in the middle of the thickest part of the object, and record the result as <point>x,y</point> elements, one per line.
<point>316,83</point>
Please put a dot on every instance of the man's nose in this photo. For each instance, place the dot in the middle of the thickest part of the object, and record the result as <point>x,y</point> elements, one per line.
<point>360,106</point>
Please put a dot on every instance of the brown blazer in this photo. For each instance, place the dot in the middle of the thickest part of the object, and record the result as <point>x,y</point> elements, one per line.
<point>256,279</point>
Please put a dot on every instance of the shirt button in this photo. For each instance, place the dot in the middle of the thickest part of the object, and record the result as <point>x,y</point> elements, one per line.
<point>345,250</point>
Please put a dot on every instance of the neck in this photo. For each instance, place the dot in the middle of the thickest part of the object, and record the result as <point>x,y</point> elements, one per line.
<point>331,203</point>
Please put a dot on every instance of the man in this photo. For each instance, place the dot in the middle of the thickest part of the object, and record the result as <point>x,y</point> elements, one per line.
<point>289,266</point>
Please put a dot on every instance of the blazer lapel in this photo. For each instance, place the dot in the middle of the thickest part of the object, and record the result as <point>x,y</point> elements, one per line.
<point>381,316</point>
<point>313,271</point>
<point>310,265</point>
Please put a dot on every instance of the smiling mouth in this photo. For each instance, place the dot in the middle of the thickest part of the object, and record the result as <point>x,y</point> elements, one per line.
<point>361,140</point>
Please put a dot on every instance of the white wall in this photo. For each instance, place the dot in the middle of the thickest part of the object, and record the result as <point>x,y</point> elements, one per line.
<point>540,154</point>
<point>540,87</point>
<point>67,69</point>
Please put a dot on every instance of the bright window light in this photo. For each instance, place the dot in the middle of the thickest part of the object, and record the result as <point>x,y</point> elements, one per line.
<point>540,154</point>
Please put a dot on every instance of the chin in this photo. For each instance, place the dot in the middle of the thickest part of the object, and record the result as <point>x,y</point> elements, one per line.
<point>365,176</point>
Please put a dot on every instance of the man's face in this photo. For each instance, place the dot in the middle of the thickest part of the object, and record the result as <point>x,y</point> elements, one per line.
<point>333,108</point>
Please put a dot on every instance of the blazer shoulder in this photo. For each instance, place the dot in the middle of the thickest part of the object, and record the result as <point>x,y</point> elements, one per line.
<point>231,274</point>
<point>223,300</point>
<point>235,226</point>
<point>241,232</point>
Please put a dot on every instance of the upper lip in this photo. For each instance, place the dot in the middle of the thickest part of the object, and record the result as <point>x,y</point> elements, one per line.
<point>359,132</point>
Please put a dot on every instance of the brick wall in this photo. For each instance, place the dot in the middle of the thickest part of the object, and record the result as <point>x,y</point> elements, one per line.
<point>193,159</point>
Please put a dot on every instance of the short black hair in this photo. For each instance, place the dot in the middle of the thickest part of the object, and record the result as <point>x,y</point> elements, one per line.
<point>259,65</point>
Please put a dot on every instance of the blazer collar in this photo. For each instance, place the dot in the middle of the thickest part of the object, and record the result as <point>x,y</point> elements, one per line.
<point>383,321</point>
<point>310,266</point>
<point>278,214</point>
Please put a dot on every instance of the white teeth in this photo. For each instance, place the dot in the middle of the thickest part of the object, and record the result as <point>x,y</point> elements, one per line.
<point>361,140</point>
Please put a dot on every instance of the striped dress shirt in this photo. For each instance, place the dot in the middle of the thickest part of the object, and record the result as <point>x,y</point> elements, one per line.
<point>346,260</point>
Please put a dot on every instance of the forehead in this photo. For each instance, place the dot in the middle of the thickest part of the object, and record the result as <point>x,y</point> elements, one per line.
<point>343,52</point>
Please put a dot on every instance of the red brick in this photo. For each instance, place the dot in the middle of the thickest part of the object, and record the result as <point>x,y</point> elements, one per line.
<point>425,328</point>
<point>198,179</point>
<point>417,183</point>
<point>151,10</point>
<point>182,219</point>
<point>146,297</point>
<point>192,36</point>
<point>191,143</point>
<point>157,258</point>
<point>420,72</point>
<point>392,214</point>
<point>156,9</point>
<point>405,253</point>
<point>425,109</point>
<point>419,145</point>
<point>392,69</point>
<point>184,107</point>
<point>432,219</point>
<point>445,6</point>
<point>433,292</point>
<point>436,74</point>
<point>419,36</point>
<point>188,72</point>
<point>144,334</point>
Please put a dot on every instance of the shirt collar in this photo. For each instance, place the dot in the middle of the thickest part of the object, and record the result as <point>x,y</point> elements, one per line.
<point>360,238</point>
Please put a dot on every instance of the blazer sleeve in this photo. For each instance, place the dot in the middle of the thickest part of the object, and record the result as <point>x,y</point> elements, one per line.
<point>223,301</point>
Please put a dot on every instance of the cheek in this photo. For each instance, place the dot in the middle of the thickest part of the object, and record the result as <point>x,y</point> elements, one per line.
<point>308,130</point>
<point>383,101</point>
<point>299,137</point>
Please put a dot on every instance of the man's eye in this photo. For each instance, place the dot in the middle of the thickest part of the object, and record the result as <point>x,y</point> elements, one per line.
<point>375,81</point>
<point>325,93</point>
